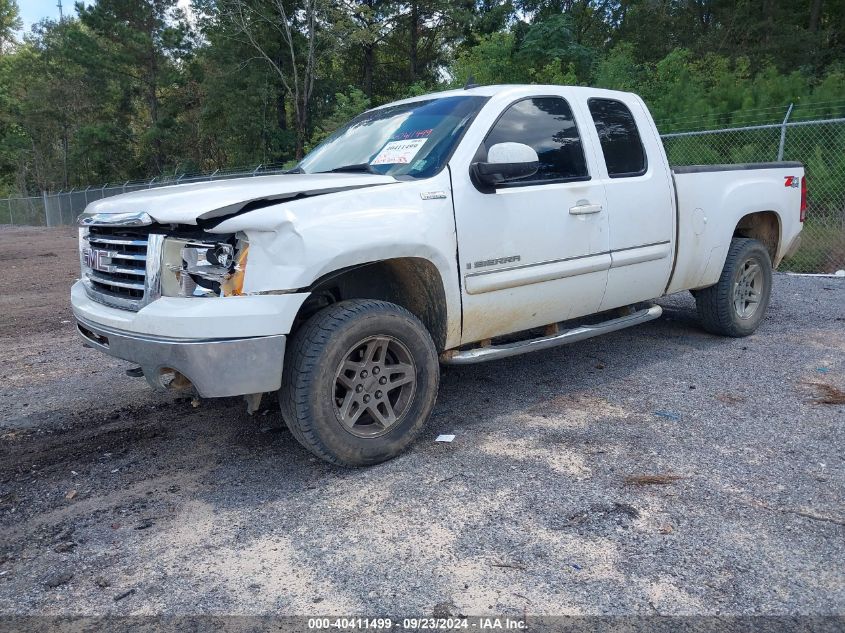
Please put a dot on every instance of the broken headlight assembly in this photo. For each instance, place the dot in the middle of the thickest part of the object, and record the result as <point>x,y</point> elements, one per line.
<point>199,268</point>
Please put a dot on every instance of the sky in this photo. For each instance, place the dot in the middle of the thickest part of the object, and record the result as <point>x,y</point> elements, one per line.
<point>34,10</point>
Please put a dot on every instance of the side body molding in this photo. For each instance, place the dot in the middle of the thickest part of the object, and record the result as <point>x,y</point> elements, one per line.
<point>500,279</point>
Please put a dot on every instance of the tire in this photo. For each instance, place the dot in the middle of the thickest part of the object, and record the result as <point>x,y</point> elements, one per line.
<point>729,308</point>
<point>359,382</point>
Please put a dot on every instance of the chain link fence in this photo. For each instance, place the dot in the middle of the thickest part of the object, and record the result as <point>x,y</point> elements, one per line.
<point>62,208</point>
<point>819,145</point>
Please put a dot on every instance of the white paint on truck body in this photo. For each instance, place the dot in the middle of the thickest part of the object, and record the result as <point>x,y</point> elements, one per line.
<point>509,259</point>
<point>188,203</point>
<point>713,202</point>
<point>295,243</point>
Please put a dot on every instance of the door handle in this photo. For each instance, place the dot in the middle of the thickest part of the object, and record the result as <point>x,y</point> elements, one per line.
<point>585,209</point>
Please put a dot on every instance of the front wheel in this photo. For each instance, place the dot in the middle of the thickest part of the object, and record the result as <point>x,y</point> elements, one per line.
<point>360,380</point>
<point>737,303</point>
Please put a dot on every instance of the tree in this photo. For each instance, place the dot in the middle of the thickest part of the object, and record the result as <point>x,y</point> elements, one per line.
<point>10,22</point>
<point>142,41</point>
<point>241,107</point>
<point>555,39</point>
<point>69,120</point>
<point>434,27</point>
<point>364,26</point>
<point>296,67</point>
<point>128,91</point>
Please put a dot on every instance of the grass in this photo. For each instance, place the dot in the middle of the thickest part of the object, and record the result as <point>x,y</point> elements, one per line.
<point>822,250</point>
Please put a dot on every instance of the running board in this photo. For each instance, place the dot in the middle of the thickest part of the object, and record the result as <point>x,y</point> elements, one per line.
<point>495,352</point>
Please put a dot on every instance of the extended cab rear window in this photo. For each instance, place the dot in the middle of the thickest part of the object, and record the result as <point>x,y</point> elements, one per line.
<point>620,139</point>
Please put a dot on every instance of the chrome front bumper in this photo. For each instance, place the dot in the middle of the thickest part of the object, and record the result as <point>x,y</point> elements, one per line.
<point>216,367</point>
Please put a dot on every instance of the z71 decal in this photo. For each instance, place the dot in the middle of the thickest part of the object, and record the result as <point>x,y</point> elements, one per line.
<point>792,181</point>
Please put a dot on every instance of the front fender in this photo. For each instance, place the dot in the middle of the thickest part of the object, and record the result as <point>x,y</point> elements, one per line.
<point>293,244</point>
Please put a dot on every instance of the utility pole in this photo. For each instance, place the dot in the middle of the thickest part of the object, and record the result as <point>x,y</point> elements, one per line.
<point>61,13</point>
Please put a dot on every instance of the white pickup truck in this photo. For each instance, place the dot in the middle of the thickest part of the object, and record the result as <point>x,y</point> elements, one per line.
<point>455,227</point>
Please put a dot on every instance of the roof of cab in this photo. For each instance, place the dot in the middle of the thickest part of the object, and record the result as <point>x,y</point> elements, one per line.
<point>490,91</point>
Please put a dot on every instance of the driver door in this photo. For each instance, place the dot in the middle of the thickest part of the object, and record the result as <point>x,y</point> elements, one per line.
<point>533,251</point>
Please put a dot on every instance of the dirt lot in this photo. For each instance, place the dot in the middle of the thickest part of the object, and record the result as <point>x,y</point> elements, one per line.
<point>116,500</point>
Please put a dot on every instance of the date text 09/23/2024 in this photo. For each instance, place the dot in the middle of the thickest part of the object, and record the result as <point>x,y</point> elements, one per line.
<point>418,624</point>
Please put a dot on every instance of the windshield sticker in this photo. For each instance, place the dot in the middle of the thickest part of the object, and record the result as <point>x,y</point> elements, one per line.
<point>398,152</point>
<point>404,136</point>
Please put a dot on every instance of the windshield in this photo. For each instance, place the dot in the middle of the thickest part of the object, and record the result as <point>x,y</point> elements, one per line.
<point>411,139</point>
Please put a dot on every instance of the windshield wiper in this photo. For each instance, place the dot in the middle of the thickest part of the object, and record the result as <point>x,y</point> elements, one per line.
<point>294,170</point>
<point>357,167</point>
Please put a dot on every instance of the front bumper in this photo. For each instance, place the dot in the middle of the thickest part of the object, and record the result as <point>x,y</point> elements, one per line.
<point>225,346</point>
<point>216,367</point>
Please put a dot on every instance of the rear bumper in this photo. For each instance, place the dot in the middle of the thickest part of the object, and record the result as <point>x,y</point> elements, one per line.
<point>216,367</point>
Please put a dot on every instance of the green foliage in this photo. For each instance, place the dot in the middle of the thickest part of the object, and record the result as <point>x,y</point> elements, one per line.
<point>545,53</point>
<point>491,61</point>
<point>553,43</point>
<point>620,70</point>
<point>10,22</point>
<point>144,43</point>
<point>133,89</point>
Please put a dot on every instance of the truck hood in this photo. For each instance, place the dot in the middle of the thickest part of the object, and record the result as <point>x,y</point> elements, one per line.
<point>190,203</point>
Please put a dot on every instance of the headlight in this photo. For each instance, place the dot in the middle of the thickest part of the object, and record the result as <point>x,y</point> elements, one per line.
<point>204,269</point>
<point>84,250</point>
<point>234,285</point>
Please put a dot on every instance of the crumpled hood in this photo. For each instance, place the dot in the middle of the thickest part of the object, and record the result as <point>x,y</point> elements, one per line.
<point>186,204</point>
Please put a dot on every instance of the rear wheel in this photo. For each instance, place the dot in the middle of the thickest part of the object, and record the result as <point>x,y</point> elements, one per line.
<point>737,303</point>
<point>360,380</point>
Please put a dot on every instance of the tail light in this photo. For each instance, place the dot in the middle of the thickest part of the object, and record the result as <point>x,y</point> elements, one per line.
<point>803,215</point>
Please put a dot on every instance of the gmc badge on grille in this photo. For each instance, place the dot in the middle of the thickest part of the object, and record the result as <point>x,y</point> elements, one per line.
<point>96,259</point>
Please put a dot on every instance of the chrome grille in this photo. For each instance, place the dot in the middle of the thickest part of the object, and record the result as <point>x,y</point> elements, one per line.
<point>120,265</point>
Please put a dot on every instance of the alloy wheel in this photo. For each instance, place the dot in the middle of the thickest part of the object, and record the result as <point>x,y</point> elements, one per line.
<point>374,386</point>
<point>748,289</point>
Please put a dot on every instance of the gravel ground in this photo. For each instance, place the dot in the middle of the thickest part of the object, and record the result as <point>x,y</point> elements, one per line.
<point>117,500</point>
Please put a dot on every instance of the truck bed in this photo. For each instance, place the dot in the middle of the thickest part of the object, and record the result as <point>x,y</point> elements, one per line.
<point>712,197</point>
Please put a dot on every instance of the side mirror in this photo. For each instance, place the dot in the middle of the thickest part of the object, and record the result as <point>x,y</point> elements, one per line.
<point>506,162</point>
